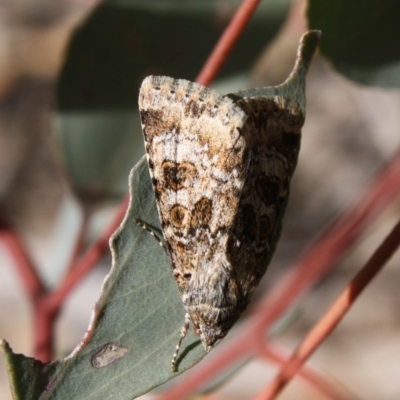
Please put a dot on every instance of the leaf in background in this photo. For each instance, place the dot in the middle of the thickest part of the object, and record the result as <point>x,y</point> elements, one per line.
<point>136,321</point>
<point>118,45</point>
<point>360,38</point>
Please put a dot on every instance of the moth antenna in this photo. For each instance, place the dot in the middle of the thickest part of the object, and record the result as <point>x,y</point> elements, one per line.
<point>184,330</point>
<point>150,230</point>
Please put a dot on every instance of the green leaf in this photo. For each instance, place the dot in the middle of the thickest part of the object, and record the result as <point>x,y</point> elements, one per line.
<point>28,377</point>
<point>294,86</point>
<point>110,54</point>
<point>139,312</point>
<point>136,321</point>
<point>360,38</point>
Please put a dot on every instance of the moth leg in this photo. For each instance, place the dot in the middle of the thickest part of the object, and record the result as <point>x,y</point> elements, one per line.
<point>184,330</point>
<point>150,230</point>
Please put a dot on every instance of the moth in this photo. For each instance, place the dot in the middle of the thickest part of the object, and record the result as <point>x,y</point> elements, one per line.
<point>220,168</point>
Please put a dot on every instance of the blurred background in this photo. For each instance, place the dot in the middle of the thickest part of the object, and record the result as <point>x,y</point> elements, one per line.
<point>69,134</point>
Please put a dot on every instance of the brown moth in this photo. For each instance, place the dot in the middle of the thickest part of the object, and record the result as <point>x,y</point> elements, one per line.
<point>221,168</point>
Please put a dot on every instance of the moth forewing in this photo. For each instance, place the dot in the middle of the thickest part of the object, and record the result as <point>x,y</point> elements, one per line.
<point>220,170</point>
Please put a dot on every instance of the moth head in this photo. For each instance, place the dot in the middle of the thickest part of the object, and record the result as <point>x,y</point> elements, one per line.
<point>208,335</point>
<point>212,302</point>
<point>210,327</point>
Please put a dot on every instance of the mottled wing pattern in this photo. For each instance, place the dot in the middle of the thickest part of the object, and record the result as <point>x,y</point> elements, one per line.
<point>198,164</point>
<point>221,170</point>
<point>272,133</point>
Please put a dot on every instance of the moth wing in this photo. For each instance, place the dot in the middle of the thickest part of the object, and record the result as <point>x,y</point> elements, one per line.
<point>273,134</point>
<point>197,161</point>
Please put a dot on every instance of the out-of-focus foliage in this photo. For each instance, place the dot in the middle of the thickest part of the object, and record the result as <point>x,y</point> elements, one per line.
<point>360,38</point>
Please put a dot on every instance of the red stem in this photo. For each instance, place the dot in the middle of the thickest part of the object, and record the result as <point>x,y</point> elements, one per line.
<point>84,265</point>
<point>334,315</point>
<point>226,42</point>
<point>42,318</point>
<point>43,331</point>
<point>24,265</point>
<point>79,241</point>
<point>47,305</point>
<point>47,308</point>
<point>320,383</point>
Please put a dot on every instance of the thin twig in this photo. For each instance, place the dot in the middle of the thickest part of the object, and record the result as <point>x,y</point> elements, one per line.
<point>226,42</point>
<point>334,315</point>
<point>23,263</point>
<point>43,330</point>
<point>79,241</point>
<point>272,353</point>
<point>88,261</point>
